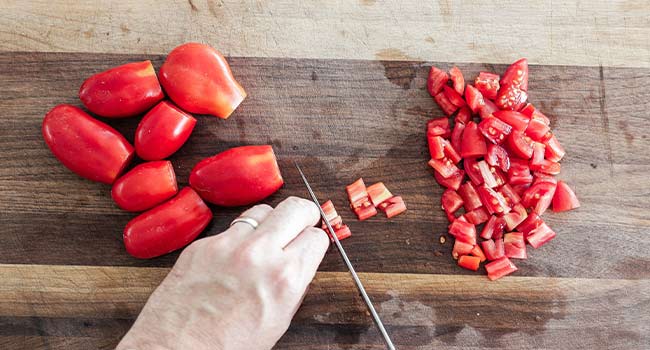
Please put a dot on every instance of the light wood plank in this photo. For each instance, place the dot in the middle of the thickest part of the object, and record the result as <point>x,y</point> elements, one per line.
<point>601,32</point>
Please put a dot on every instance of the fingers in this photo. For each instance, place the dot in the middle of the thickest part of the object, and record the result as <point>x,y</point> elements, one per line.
<point>287,220</point>
<point>258,213</point>
<point>308,249</point>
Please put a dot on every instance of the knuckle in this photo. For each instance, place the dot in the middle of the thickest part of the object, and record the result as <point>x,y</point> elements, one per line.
<point>301,204</point>
<point>263,207</point>
<point>287,281</point>
<point>250,255</point>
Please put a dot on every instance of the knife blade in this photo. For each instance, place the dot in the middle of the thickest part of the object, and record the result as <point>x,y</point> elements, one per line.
<point>355,277</point>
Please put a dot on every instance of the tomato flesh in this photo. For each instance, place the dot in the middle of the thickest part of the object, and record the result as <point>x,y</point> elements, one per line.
<point>511,97</point>
<point>464,115</point>
<point>469,262</point>
<point>493,249</point>
<point>519,174</point>
<point>564,198</point>
<point>444,103</point>
<point>520,144</point>
<point>472,144</point>
<point>500,268</point>
<point>436,147</point>
<point>514,245</point>
<point>393,206</point>
<point>341,230</point>
<point>463,231</point>
<point>554,151</point>
<point>457,79</point>
<point>493,227</point>
<point>540,236</point>
<point>487,84</point>
<point>516,74</point>
<point>518,121</point>
<point>436,80</point>
<point>454,97</point>
<point>451,201</point>
<point>493,201</point>
<point>444,166</point>
<point>539,196</point>
<point>494,130</point>
<point>473,171</point>
<point>457,135</point>
<point>461,248</point>
<point>470,197</point>
<point>452,181</point>
<point>478,252</point>
<point>438,127</point>
<point>515,216</point>
<point>473,98</point>
<point>360,201</point>
<point>487,109</point>
<point>378,193</point>
<point>477,216</point>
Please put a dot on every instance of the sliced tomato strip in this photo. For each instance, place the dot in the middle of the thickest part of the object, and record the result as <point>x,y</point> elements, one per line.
<point>470,197</point>
<point>447,106</point>
<point>564,198</point>
<point>436,80</point>
<point>463,231</point>
<point>538,155</point>
<point>378,193</point>
<point>547,167</point>
<point>493,249</point>
<point>454,97</point>
<point>539,196</point>
<point>359,200</point>
<point>457,79</point>
<point>515,245</point>
<point>519,174</point>
<point>538,126</point>
<point>452,181</point>
<point>451,153</point>
<point>494,226</point>
<point>499,268</point>
<point>539,236</point>
<point>444,166</point>
<point>469,262</point>
<point>461,248</point>
<point>510,195</point>
<point>477,216</point>
<point>342,231</point>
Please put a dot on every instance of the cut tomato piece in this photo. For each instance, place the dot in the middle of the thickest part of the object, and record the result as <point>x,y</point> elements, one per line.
<point>365,212</point>
<point>472,143</point>
<point>454,97</point>
<point>487,109</point>
<point>452,181</point>
<point>470,198</point>
<point>542,177</point>
<point>457,135</point>
<point>494,130</point>
<point>478,252</point>
<point>547,167</point>
<point>473,172</point>
<point>511,98</point>
<point>342,231</point>
<point>518,121</point>
<point>554,151</point>
<point>444,103</point>
<point>515,216</point>
<point>529,224</point>
<point>451,152</point>
<point>539,196</point>
<point>464,115</point>
<point>378,193</point>
<point>486,174</point>
<point>359,200</point>
<point>439,127</point>
<point>451,201</point>
<point>469,262</point>
<point>436,146</point>
<point>537,127</point>
<point>564,198</point>
<point>473,98</point>
<point>444,166</point>
<point>531,112</point>
<point>477,216</point>
<point>461,248</point>
<point>492,201</point>
<point>436,80</point>
<point>499,268</point>
<point>539,236</point>
<point>519,174</point>
<point>493,249</point>
<point>487,84</point>
<point>514,245</point>
<point>499,176</point>
<point>393,206</point>
<point>457,79</point>
<point>463,231</point>
<point>493,227</point>
<point>509,193</point>
<point>516,74</point>
<point>521,188</point>
<point>538,155</point>
<point>520,144</point>
<point>329,210</point>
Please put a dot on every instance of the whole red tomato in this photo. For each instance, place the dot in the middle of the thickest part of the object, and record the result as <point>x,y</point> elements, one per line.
<point>123,91</point>
<point>167,227</point>
<point>198,79</point>
<point>85,145</point>
<point>145,186</point>
<point>162,131</point>
<point>238,176</point>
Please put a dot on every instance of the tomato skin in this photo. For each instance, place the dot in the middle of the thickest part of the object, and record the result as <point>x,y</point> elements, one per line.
<point>564,198</point>
<point>516,74</point>
<point>167,227</point>
<point>239,176</point>
<point>145,186</point>
<point>463,231</point>
<point>554,151</point>
<point>470,197</point>
<point>199,80</point>
<point>473,143</point>
<point>438,127</point>
<point>162,131</point>
<point>539,196</point>
<point>122,91</point>
<point>498,157</point>
<point>473,171</point>
<point>520,144</point>
<point>457,79</point>
<point>540,236</point>
<point>473,98</point>
<point>436,80</point>
<point>494,130</point>
<point>445,104</point>
<point>469,262</point>
<point>487,84</point>
<point>518,121</point>
<point>452,181</point>
<point>463,116</point>
<point>88,147</point>
<point>478,252</point>
<point>453,96</point>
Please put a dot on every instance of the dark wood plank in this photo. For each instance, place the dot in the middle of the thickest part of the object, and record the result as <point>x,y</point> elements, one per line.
<point>98,304</point>
<point>341,119</point>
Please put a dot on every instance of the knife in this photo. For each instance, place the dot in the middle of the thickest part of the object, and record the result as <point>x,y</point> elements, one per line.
<point>357,281</point>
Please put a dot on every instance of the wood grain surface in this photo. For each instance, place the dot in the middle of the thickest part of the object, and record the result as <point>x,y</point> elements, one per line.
<point>340,119</point>
<point>611,33</point>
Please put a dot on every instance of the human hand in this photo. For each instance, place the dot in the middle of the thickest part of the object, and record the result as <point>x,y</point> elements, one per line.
<point>239,289</point>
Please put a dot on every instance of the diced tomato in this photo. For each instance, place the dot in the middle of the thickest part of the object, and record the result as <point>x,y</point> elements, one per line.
<point>499,268</point>
<point>499,176</point>
<point>537,127</point>
<point>463,231</point>
<point>436,80</point>
<point>519,174</point>
<point>473,98</point>
<point>511,98</point>
<point>538,155</point>
<point>393,206</point>
<point>462,218</point>
<point>494,130</point>
<point>469,262</point>
<point>495,224</point>
<point>542,177</point>
<point>521,188</point>
<point>457,79</point>
<point>532,112</point>
<point>457,134</point>
<point>454,97</point>
<point>486,174</point>
<point>365,212</point>
<point>539,236</point>
<point>378,193</point>
<point>511,196</point>
<point>515,216</point>
<point>461,248</point>
<point>564,198</point>
<point>520,144</point>
<point>451,152</point>
<point>514,245</point>
<point>493,201</point>
<point>452,181</point>
<point>554,151</point>
<point>518,121</point>
<point>487,109</point>
<point>547,167</point>
<point>477,216</point>
<point>516,74</point>
<point>359,200</point>
<point>531,222</point>
<point>436,147</point>
<point>451,201</point>
<point>473,172</point>
<point>329,210</point>
<point>493,249</point>
<point>342,232</point>
<point>444,166</point>
<point>539,197</point>
<point>439,127</point>
<point>472,143</point>
<point>444,103</point>
<point>487,84</point>
<point>478,252</point>
<point>470,197</point>
<point>464,115</point>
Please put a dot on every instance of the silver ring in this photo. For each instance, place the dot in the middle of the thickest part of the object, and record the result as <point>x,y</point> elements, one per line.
<point>246,220</point>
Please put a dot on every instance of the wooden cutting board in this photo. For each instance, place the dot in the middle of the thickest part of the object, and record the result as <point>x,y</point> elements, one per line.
<point>67,283</point>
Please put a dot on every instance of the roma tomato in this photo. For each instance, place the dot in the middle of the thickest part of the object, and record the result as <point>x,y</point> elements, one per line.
<point>239,176</point>
<point>167,227</point>
<point>540,235</point>
<point>85,145</point>
<point>564,198</point>
<point>199,80</point>
<point>123,91</point>
<point>145,186</point>
<point>162,131</point>
<point>499,268</point>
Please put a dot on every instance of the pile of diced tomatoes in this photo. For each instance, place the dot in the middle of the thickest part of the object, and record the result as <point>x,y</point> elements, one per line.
<point>497,163</point>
